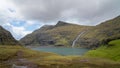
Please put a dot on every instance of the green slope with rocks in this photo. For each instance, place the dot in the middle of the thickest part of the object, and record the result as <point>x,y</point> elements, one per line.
<point>63,34</point>
<point>60,34</point>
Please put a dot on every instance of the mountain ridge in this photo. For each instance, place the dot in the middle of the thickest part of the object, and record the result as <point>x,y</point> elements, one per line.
<point>56,29</point>
<point>64,33</point>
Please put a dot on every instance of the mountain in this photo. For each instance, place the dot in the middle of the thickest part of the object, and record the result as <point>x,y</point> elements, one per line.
<point>63,34</point>
<point>60,34</point>
<point>102,33</point>
<point>6,38</point>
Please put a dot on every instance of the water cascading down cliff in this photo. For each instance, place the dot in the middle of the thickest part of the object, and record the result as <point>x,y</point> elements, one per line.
<point>74,41</point>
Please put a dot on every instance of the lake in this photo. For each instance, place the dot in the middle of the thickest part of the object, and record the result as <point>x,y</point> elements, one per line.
<point>63,50</point>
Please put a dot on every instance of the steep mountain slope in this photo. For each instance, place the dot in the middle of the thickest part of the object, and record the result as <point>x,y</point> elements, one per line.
<point>102,33</point>
<point>63,34</point>
<point>60,34</point>
<point>6,38</point>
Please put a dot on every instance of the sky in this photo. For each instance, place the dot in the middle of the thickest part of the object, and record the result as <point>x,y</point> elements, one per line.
<point>22,17</point>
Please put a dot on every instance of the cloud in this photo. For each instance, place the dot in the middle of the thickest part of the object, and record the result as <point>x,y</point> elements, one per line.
<point>8,11</point>
<point>17,32</point>
<point>87,12</point>
<point>11,20</point>
<point>19,27</point>
<point>21,17</point>
<point>3,16</point>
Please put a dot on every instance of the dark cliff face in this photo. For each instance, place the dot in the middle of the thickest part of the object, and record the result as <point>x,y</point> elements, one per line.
<point>6,38</point>
<point>64,33</point>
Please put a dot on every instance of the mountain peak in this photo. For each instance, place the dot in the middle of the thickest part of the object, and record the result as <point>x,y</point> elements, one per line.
<point>61,23</point>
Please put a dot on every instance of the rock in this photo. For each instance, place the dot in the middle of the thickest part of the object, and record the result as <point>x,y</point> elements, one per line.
<point>61,23</point>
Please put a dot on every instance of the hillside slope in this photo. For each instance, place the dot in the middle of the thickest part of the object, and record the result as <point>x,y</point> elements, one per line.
<point>109,51</point>
<point>63,34</point>
<point>6,38</point>
<point>60,34</point>
<point>102,33</point>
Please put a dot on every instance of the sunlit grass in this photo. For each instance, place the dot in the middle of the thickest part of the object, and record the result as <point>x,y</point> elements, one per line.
<point>51,60</point>
<point>110,51</point>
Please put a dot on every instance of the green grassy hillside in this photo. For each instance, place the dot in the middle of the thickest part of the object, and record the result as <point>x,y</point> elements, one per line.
<point>101,34</point>
<point>109,51</point>
<point>64,35</point>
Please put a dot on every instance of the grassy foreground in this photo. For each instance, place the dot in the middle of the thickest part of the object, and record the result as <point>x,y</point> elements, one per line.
<point>109,51</point>
<point>33,59</point>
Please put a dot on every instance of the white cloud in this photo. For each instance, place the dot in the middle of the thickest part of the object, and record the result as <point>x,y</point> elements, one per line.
<point>20,31</point>
<point>17,32</point>
<point>30,23</point>
<point>8,12</point>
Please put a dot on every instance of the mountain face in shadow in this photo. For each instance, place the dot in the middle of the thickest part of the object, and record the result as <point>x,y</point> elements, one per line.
<point>63,34</point>
<point>6,37</point>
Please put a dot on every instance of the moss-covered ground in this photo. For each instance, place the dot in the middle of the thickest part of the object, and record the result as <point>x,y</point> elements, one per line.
<point>21,56</point>
<point>108,51</point>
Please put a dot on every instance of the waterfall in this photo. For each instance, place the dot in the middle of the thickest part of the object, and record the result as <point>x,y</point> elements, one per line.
<point>73,44</point>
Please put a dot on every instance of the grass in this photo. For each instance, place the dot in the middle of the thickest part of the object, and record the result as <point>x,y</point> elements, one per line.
<point>109,51</point>
<point>10,54</point>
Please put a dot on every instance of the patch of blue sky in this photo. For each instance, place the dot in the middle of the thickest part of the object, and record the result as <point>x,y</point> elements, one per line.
<point>32,27</point>
<point>17,23</point>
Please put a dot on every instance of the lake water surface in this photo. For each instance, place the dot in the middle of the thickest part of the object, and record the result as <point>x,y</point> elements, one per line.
<point>63,50</point>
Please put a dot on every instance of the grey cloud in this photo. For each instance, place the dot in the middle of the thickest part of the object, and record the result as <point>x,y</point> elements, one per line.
<point>93,11</point>
<point>3,17</point>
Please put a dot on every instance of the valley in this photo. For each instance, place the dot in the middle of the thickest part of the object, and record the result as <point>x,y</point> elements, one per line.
<point>63,45</point>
